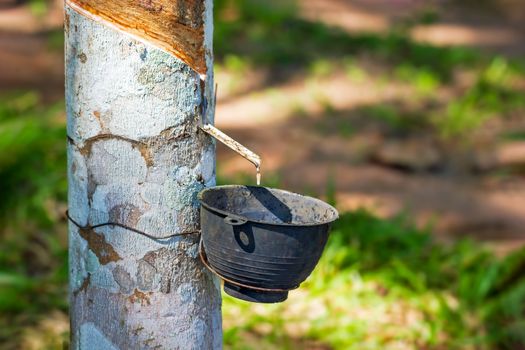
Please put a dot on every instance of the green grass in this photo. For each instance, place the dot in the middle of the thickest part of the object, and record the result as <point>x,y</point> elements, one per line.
<point>423,80</point>
<point>39,7</point>
<point>492,95</point>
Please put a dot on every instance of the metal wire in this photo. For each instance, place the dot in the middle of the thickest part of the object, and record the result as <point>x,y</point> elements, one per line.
<point>116,224</point>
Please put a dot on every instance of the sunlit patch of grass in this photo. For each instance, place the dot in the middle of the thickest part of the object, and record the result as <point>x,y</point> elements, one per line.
<point>321,68</point>
<point>423,80</point>
<point>52,332</point>
<point>236,64</point>
<point>39,7</point>
<point>299,110</point>
<point>489,97</point>
<point>235,69</point>
<point>353,71</point>
<point>326,105</point>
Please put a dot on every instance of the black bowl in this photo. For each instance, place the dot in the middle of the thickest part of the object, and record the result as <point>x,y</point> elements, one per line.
<point>262,242</point>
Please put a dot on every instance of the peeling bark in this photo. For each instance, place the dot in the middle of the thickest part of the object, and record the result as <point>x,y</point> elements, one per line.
<point>136,156</point>
<point>98,245</point>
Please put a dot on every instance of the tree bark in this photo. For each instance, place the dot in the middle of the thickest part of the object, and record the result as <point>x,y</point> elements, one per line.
<point>136,156</point>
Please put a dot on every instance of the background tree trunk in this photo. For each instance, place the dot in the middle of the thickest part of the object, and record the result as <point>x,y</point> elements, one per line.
<point>137,157</point>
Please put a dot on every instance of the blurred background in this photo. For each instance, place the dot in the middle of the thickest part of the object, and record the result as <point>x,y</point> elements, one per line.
<point>407,115</point>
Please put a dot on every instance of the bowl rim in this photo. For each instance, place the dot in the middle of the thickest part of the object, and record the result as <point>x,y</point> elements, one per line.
<point>224,212</point>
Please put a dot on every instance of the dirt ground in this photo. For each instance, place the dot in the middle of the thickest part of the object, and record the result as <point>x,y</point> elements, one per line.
<point>454,202</point>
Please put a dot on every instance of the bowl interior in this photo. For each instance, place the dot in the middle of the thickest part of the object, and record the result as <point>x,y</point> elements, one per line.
<point>267,205</point>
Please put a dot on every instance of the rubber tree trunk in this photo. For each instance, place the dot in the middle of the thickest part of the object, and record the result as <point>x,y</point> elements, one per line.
<point>137,157</point>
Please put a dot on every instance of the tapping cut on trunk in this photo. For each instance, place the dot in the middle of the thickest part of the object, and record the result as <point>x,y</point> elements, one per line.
<point>176,26</point>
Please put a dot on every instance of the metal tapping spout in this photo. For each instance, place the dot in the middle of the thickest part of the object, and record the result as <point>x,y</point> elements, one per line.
<point>236,146</point>
<point>211,130</point>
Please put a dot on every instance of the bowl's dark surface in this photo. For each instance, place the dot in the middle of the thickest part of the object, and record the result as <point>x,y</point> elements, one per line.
<point>262,241</point>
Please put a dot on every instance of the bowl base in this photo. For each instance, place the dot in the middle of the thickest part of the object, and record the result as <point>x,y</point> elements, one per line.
<point>254,296</point>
